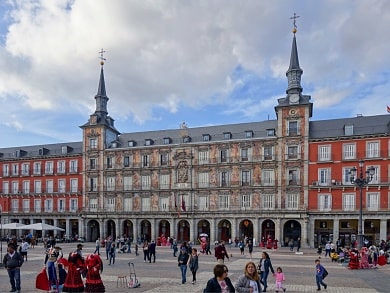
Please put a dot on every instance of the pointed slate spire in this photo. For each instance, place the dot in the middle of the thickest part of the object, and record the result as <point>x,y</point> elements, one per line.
<point>101,97</point>
<point>294,72</point>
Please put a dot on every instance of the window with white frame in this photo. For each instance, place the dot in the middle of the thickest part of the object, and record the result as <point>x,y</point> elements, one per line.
<point>127,204</point>
<point>61,205</point>
<point>49,186</point>
<point>25,169</point>
<point>292,152</point>
<point>324,153</point>
<point>375,177</point>
<point>268,177</point>
<point>5,170</point>
<point>244,155</point>
<point>225,178</point>
<point>349,201</point>
<point>164,181</point>
<point>145,161</point>
<point>61,167</point>
<point>203,203</point>
<point>15,187</point>
<point>49,167</point>
<point>37,205</point>
<point>93,184</point>
<point>6,187</point>
<point>73,205</point>
<point>37,168</point>
<point>26,205</point>
<point>93,204</point>
<point>15,169</point>
<point>145,204</point>
<point>347,175</point>
<point>26,186</point>
<point>203,179</point>
<point>74,185</point>
<point>325,202</point>
<point>293,128</point>
<point>145,182</point>
<point>15,205</point>
<point>203,157</point>
<point>223,201</point>
<point>223,155</point>
<point>324,176</point>
<point>349,151</point>
<point>268,201</point>
<point>164,203</point>
<point>127,183</point>
<point>245,178</point>
<point>372,201</point>
<point>372,149</point>
<point>292,201</point>
<point>293,177</point>
<point>48,203</point>
<point>110,183</point>
<point>164,159</point>
<point>110,204</point>
<point>73,166</point>
<point>348,130</point>
<point>268,153</point>
<point>61,185</point>
<point>37,186</point>
<point>246,200</point>
<point>92,143</point>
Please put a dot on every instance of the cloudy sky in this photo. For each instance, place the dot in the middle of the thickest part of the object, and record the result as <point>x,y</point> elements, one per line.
<point>205,62</point>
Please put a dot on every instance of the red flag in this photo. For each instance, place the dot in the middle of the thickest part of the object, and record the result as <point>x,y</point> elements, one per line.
<point>183,204</point>
<point>388,109</point>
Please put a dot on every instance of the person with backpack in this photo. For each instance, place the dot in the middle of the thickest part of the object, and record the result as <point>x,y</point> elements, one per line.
<point>321,273</point>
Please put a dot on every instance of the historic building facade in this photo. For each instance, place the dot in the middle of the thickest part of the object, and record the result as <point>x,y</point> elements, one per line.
<point>285,178</point>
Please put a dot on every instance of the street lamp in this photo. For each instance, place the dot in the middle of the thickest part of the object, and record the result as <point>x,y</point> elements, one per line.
<point>361,182</point>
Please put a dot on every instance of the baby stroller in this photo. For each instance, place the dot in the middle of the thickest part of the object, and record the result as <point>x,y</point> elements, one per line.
<point>133,281</point>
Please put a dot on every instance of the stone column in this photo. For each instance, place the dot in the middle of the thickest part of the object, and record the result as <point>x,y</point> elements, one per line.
<point>383,230</point>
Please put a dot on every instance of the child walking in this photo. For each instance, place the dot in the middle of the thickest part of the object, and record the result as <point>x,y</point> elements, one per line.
<point>279,279</point>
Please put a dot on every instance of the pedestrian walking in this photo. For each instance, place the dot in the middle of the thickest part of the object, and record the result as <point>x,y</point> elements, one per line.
<point>12,261</point>
<point>174,247</point>
<point>152,251</point>
<point>250,248</point>
<point>220,282</point>
<point>265,266</point>
<point>193,263</point>
<point>242,247</point>
<point>249,281</point>
<point>279,279</point>
<point>320,274</point>
<point>298,244</point>
<point>182,260</point>
<point>112,253</point>
<point>221,253</point>
<point>24,249</point>
<point>145,249</point>
<point>97,246</point>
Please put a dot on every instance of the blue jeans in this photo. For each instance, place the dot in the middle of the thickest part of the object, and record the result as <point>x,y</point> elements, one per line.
<point>320,281</point>
<point>14,278</point>
<point>183,269</point>
<point>264,277</point>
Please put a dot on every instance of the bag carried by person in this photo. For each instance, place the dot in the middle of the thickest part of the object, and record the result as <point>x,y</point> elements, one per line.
<point>325,274</point>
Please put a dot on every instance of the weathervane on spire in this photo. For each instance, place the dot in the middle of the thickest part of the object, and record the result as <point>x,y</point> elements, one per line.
<point>102,59</point>
<point>294,22</point>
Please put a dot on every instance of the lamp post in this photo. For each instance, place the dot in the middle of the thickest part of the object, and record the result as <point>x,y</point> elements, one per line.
<point>361,182</point>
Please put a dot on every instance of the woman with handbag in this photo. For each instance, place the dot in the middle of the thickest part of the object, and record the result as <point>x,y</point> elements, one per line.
<point>193,263</point>
<point>265,266</point>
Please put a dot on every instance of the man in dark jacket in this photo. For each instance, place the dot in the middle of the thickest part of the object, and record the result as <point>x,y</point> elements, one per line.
<point>12,261</point>
<point>221,253</point>
<point>152,251</point>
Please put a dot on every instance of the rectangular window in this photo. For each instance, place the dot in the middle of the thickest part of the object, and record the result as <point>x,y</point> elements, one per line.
<point>268,177</point>
<point>227,135</point>
<point>92,143</point>
<point>109,162</point>
<point>26,205</point>
<point>48,205</point>
<point>224,156</point>
<point>93,204</point>
<point>145,202</point>
<point>166,140</point>
<point>49,186</point>
<point>127,183</point>
<point>324,177</point>
<point>15,169</point>
<point>73,166</point>
<point>223,201</point>
<point>347,176</point>
<point>73,205</point>
<point>164,204</point>
<point>37,205</point>
<point>61,167</point>
<point>206,137</point>
<point>372,201</point>
<point>203,157</point>
<point>92,164</point>
<point>6,187</point>
<point>15,187</point>
<point>268,201</point>
<point>270,132</point>
<point>37,186</point>
<point>224,178</point>
<point>37,168</point>
<point>61,186</point>
<point>110,183</point>
<point>292,152</point>
<point>74,185</point>
<point>248,134</point>
<point>244,155</point>
<point>372,149</point>
<point>93,184</point>
<point>245,178</point>
<point>164,159</point>
<point>25,169</point>
<point>145,182</point>
<point>61,205</point>
<point>293,128</point>
<point>349,151</point>
<point>349,202</point>
<point>126,161</point>
<point>49,167</point>
<point>246,200</point>
<point>127,204</point>
<point>15,205</point>
<point>203,203</point>
<point>5,170</point>
<point>348,130</point>
<point>203,179</point>
<point>164,181</point>
<point>293,178</point>
<point>268,153</point>
<point>26,187</point>
<point>292,201</point>
<point>324,153</point>
<point>325,202</point>
<point>145,161</point>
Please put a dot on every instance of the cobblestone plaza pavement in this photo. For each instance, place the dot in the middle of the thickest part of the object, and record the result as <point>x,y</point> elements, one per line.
<point>164,275</point>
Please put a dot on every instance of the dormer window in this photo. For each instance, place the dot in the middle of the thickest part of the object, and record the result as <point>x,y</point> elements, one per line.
<point>131,143</point>
<point>166,140</point>
<point>206,137</point>
<point>42,151</point>
<point>248,134</point>
<point>270,132</point>
<point>227,135</point>
<point>186,139</point>
<point>348,130</point>
<point>148,142</point>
